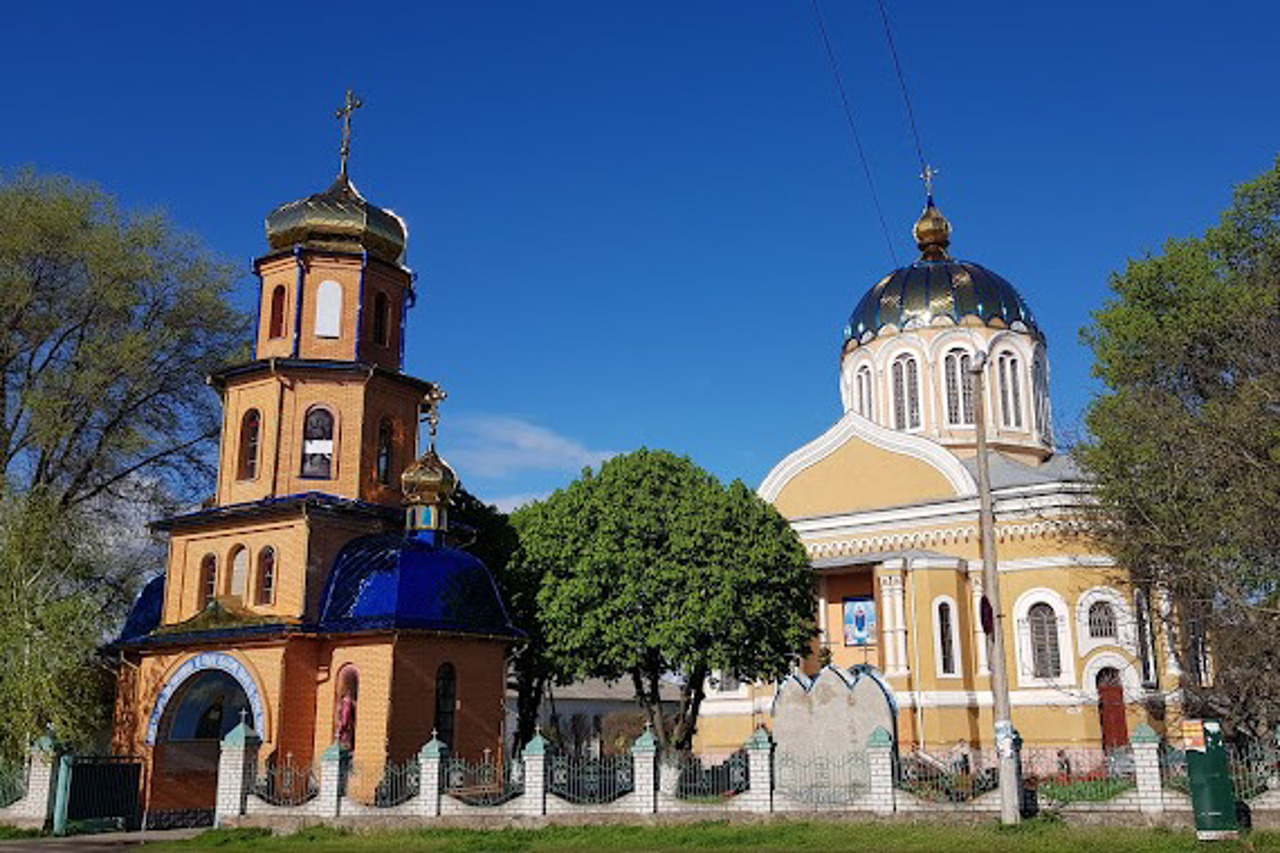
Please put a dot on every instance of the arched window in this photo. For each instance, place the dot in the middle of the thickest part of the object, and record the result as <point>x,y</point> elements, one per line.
<point>906,393</point>
<point>266,586</point>
<point>329,310</point>
<point>959,387</point>
<point>1102,620</point>
<point>1045,658</point>
<point>240,571</point>
<point>862,391</point>
<point>381,319</point>
<point>446,703</point>
<point>275,328</point>
<point>250,430</point>
<point>317,444</point>
<point>386,437</point>
<point>345,701</point>
<point>208,580</point>
<point>1040,398</point>
<point>1010,381</point>
<point>946,639</point>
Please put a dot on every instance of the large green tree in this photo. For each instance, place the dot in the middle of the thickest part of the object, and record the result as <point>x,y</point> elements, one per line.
<point>1184,447</point>
<point>652,569</point>
<point>109,323</point>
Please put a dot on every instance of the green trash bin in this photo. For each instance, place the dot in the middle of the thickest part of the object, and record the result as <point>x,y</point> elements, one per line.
<point>1213,797</point>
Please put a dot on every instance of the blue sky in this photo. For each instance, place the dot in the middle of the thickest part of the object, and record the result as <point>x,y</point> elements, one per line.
<point>642,223</point>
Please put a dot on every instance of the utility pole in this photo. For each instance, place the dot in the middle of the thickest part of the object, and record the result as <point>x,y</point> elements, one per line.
<point>992,612</point>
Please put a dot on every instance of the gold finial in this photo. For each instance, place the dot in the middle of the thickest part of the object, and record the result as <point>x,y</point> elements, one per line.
<point>932,231</point>
<point>431,415</point>
<point>429,482</point>
<point>344,112</point>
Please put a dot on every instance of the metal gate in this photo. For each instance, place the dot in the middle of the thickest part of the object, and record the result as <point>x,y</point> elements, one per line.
<point>97,793</point>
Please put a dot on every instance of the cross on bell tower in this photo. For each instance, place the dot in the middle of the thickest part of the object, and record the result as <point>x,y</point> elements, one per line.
<point>344,112</point>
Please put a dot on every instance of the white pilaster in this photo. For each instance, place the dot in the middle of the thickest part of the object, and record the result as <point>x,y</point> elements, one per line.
<point>979,638</point>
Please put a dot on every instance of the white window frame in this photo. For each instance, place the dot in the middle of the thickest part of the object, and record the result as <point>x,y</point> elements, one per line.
<point>1126,627</point>
<point>1011,390</point>
<point>956,362</point>
<point>1022,646</point>
<point>906,359</point>
<point>956,649</point>
<point>864,398</point>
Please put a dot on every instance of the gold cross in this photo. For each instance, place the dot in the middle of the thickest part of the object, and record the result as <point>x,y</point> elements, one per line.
<point>352,104</point>
<point>927,176</point>
<point>433,399</point>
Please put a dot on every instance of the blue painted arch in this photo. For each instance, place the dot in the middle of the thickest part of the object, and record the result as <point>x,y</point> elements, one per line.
<point>205,662</point>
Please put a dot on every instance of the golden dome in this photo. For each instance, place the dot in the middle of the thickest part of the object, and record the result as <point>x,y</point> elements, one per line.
<point>338,218</point>
<point>429,480</point>
<point>933,233</point>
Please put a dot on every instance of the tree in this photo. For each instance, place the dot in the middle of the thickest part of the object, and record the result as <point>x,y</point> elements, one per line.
<point>1184,447</point>
<point>653,568</point>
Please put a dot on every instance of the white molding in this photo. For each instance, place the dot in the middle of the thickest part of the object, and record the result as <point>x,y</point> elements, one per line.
<point>853,425</point>
<point>1126,627</point>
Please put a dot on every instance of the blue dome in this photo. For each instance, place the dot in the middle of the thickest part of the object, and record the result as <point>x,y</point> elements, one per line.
<point>397,581</point>
<point>145,615</point>
<point>914,295</point>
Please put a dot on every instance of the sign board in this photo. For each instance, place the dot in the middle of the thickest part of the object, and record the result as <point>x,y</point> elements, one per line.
<point>1193,735</point>
<point>859,621</point>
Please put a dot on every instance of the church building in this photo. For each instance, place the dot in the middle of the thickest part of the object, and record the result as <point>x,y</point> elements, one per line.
<point>886,503</point>
<point>319,595</point>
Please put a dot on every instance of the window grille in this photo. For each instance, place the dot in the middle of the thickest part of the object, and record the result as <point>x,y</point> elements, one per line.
<point>1102,620</point>
<point>906,393</point>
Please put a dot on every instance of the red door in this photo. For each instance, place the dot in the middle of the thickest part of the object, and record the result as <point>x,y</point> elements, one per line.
<point>1115,729</point>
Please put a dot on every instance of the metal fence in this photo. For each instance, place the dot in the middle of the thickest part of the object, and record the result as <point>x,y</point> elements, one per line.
<point>1173,769</point>
<point>13,783</point>
<point>103,792</point>
<point>490,782</point>
<point>591,780</point>
<point>821,780</point>
<point>391,785</point>
<point>1060,777</point>
<point>698,779</point>
<point>946,778</point>
<point>287,782</point>
<point>1255,769</point>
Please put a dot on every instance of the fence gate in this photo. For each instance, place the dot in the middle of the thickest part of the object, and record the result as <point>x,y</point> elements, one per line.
<point>96,793</point>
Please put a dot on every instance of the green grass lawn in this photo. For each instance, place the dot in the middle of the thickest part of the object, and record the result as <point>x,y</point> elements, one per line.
<point>1039,835</point>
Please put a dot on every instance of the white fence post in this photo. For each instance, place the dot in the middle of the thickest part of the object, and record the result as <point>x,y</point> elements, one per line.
<point>1146,769</point>
<point>237,767</point>
<point>644,753</point>
<point>535,775</point>
<point>760,771</point>
<point>430,757</point>
<point>329,800</point>
<point>880,771</point>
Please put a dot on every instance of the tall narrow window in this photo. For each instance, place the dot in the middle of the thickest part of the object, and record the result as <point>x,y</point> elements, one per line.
<point>1146,637</point>
<point>1040,399</point>
<point>446,703</point>
<point>266,587</point>
<point>946,644</point>
<point>1010,390</point>
<point>317,444</point>
<point>1102,620</point>
<point>386,437</point>
<point>208,580</point>
<point>906,393</point>
<point>381,319</point>
<point>959,387</point>
<point>275,327</point>
<point>329,310</point>
<point>862,391</point>
<point>240,572</point>
<point>250,431</point>
<point>1045,657</point>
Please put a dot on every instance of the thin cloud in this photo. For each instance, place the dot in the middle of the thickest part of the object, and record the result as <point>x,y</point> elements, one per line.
<point>510,503</point>
<point>499,446</point>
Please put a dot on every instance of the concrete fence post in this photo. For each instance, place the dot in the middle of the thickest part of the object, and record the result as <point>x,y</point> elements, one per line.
<point>644,753</point>
<point>430,759</point>
<point>332,765</point>
<point>880,771</point>
<point>535,775</point>
<point>237,767</point>
<point>1146,769</point>
<point>760,771</point>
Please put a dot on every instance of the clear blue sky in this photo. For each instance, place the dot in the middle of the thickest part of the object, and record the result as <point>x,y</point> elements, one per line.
<point>641,223</point>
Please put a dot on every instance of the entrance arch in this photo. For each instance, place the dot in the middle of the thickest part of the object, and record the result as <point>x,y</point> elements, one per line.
<point>194,666</point>
<point>1115,728</point>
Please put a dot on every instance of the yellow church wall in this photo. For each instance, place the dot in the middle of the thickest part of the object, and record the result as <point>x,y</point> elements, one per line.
<point>859,476</point>
<point>281,271</point>
<point>398,403</point>
<point>264,395</point>
<point>372,658</point>
<point>380,278</point>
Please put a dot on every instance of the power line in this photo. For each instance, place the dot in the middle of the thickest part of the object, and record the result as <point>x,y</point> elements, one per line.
<point>902,81</point>
<point>853,128</point>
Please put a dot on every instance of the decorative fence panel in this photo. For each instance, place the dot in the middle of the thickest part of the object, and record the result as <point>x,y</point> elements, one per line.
<point>490,782</point>
<point>1060,777</point>
<point>1255,769</point>
<point>590,781</point>
<point>821,781</point>
<point>287,783</point>
<point>13,783</point>
<point>387,787</point>
<point>1173,770</point>
<point>699,779</point>
<point>955,779</point>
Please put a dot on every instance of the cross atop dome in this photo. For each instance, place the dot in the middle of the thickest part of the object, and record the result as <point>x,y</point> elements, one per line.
<point>344,112</point>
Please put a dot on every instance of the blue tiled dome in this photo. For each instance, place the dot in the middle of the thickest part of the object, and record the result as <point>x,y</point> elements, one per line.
<point>914,295</point>
<point>147,610</point>
<point>397,581</point>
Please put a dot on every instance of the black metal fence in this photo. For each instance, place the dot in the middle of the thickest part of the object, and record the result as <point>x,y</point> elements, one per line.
<point>102,792</point>
<point>286,783</point>
<point>13,783</point>
<point>945,778</point>
<point>393,785</point>
<point>821,780</point>
<point>590,780</point>
<point>700,779</point>
<point>490,782</point>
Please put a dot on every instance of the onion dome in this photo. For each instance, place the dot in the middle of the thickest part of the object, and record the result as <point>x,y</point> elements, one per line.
<point>937,286</point>
<point>390,581</point>
<point>338,218</point>
<point>428,481</point>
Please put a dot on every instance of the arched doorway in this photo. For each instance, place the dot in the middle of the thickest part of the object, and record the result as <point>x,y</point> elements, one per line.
<point>184,767</point>
<point>1115,729</point>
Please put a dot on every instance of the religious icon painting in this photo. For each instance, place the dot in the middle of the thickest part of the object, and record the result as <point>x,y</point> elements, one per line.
<point>859,621</point>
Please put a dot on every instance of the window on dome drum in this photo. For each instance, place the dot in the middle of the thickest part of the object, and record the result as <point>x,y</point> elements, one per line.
<point>208,580</point>
<point>266,587</point>
<point>1102,620</point>
<point>1010,390</point>
<point>386,437</point>
<point>275,328</point>
<point>446,703</point>
<point>250,431</point>
<point>946,649</point>
<point>906,393</point>
<point>317,444</point>
<point>1045,658</point>
<point>1040,397</point>
<point>862,391</point>
<point>329,310</point>
<point>381,319</point>
<point>240,572</point>
<point>959,387</point>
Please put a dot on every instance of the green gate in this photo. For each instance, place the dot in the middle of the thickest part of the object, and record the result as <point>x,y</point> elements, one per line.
<point>97,793</point>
